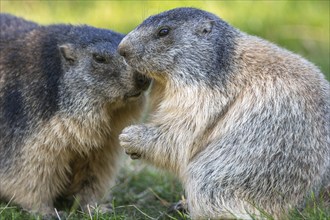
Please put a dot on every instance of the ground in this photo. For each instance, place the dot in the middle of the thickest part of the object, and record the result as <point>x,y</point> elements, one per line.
<point>144,192</point>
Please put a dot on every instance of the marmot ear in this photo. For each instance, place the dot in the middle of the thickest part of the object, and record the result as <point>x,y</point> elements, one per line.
<point>67,51</point>
<point>205,27</point>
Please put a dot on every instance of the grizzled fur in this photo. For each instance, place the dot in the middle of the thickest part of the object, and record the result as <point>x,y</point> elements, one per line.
<point>242,122</point>
<point>65,94</point>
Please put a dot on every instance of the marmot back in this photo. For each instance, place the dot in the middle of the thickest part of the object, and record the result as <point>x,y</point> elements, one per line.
<point>243,123</point>
<point>65,94</point>
<point>12,26</point>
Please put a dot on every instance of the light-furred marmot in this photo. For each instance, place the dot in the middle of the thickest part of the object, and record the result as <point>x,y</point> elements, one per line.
<point>243,123</point>
<point>65,95</point>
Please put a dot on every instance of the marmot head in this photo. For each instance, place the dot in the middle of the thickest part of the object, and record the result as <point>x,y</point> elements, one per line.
<point>94,73</point>
<point>183,44</point>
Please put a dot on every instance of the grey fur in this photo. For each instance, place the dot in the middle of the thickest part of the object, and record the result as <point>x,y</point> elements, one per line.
<point>243,123</point>
<point>65,94</point>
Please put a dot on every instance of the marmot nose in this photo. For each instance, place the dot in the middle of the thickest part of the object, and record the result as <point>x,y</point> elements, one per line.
<point>123,49</point>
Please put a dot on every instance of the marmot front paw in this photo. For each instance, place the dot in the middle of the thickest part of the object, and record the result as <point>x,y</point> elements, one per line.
<point>130,140</point>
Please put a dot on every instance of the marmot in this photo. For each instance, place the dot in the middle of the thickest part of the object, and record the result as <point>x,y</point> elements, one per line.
<point>65,95</point>
<point>244,123</point>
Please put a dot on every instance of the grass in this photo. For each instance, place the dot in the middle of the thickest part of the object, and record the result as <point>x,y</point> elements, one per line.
<point>141,191</point>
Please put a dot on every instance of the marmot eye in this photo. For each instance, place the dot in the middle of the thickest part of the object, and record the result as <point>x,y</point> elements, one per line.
<point>99,58</point>
<point>163,32</point>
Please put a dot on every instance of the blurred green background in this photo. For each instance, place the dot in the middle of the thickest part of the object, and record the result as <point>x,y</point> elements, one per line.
<point>300,26</point>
